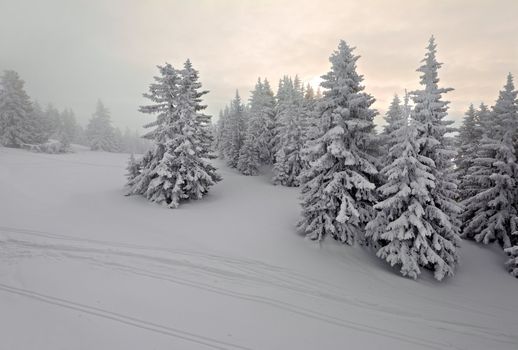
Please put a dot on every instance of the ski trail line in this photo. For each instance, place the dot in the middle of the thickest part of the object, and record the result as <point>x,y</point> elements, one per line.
<point>128,320</point>
<point>271,277</point>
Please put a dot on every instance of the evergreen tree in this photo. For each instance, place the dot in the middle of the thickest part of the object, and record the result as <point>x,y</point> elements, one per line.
<point>117,140</point>
<point>311,121</point>
<point>492,209</point>
<point>235,131</point>
<point>268,106</point>
<point>100,132</point>
<point>484,120</point>
<point>468,139</point>
<point>493,212</point>
<point>68,129</point>
<point>249,157</point>
<point>255,150</point>
<point>52,120</point>
<point>282,99</point>
<point>220,139</point>
<point>308,109</point>
<point>192,87</point>
<point>133,169</point>
<point>177,168</point>
<point>337,191</point>
<point>512,263</point>
<point>430,112</point>
<point>42,127</point>
<point>17,122</point>
<point>291,135</point>
<point>505,113</point>
<point>395,117</point>
<point>475,179</point>
<point>402,231</point>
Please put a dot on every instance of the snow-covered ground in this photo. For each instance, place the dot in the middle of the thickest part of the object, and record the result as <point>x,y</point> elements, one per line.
<point>83,267</point>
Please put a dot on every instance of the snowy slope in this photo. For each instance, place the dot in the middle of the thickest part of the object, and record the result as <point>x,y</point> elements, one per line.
<point>83,267</point>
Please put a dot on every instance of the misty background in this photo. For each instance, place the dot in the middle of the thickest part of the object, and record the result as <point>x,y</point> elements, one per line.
<point>71,53</point>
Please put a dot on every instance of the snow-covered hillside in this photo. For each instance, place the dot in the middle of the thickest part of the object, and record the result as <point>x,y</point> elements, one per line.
<point>84,267</point>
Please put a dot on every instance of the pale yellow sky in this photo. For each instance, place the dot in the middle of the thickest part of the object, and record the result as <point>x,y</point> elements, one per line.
<point>72,52</point>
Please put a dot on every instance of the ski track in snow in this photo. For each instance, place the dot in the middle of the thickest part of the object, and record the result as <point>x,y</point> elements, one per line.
<point>242,279</point>
<point>117,317</point>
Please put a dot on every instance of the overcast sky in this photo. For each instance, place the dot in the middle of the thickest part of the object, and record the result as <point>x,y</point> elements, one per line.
<point>73,52</point>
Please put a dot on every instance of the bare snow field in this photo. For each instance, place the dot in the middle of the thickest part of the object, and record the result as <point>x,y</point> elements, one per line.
<point>84,267</point>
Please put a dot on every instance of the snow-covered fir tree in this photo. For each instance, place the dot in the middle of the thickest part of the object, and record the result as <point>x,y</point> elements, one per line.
<point>100,132</point>
<point>337,191</point>
<point>256,147</point>
<point>177,168</point>
<point>235,131</point>
<point>192,86</point>
<point>282,100</point>
<point>249,158</point>
<point>291,131</point>
<point>268,106</point>
<point>491,212</point>
<point>68,129</point>
<point>484,118</point>
<point>512,263</point>
<point>395,118</point>
<point>402,232</point>
<point>18,125</point>
<point>475,179</point>
<point>220,137</point>
<point>429,112</point>
<point>505,112</point>
<point>308,108</point>
<point>468,140</point>
<point>133,168</point>
<point>52,120</point>
<point>42,126</point>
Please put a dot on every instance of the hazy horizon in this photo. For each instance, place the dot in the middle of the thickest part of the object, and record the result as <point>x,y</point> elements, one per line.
<point>72,53</point>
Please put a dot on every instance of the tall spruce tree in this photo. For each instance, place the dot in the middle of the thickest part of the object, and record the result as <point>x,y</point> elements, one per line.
<point>402,232</point>
<point>476,178</point>
<point>395,118</point>
<point>256,150</point>
<point>282,102</point>
<point>491,212</point>
<point>268,107</point>
<point>235,131</point>
<point>177,168</point>
<point>468,140</point>
<point>18,124</point>
<point>100,132</point>
<point>484,118</point>
<point>308,109</point>
<point>430,112</point>
<point>192,85</point>
<point>42,127</point>
<point>68,129</point>
<point>291,135</point>
<point>505,112</point>
<point>219,138</point>
<point>337,191</point>
<point>512,263</point>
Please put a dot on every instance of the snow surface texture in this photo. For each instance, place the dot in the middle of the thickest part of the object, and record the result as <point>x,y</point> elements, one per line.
<point>83,267</point>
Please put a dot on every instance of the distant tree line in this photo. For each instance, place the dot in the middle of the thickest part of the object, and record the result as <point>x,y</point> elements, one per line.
<point>25,124</point>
